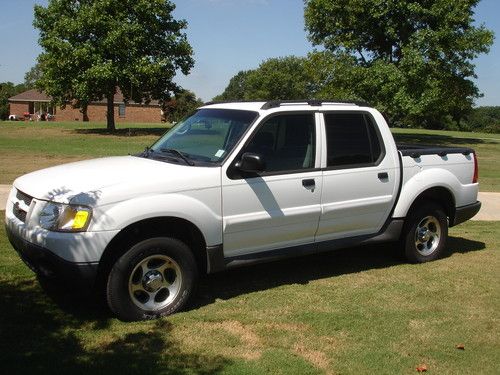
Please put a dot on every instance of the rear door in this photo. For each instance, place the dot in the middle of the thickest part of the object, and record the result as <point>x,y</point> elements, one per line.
<point>359,179</point>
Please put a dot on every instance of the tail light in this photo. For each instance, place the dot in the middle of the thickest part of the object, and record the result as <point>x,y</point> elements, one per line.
<point>476,170</point>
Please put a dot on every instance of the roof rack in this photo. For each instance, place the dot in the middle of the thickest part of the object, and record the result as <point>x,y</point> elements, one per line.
<point>314,102</point>
<point>277,103</point>
<point>231,101</point>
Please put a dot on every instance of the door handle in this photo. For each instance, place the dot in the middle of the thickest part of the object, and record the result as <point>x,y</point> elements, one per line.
<point>309,183</point>
<point>383,176</point>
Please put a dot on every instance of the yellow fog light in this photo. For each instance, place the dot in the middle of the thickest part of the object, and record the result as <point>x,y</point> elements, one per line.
<point>80,220</point>
<point>74,219</point>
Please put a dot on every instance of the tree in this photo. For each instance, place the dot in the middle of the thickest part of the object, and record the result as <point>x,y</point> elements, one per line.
<point>331,76</point>
<point>183,104</point>
<point>280,78</point>
<point>236,88</point>
<point>484,119</point>
<point>275,78</point>
<point>413,59</point>
<point>93,47</point>
<point>33,76</point>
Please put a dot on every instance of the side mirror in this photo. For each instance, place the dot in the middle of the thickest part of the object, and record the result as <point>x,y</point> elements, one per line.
<point>251,163</point>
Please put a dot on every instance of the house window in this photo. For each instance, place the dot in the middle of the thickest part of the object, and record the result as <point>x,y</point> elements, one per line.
<point>121,110</point>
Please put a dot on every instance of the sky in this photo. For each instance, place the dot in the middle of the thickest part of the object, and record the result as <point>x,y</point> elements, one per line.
<point>227,36</point>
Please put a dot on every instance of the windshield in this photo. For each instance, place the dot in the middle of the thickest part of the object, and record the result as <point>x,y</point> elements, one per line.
<point>206,136</point>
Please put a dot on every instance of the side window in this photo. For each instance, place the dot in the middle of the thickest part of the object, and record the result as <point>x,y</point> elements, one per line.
<point>352,140</point>
<point>286,142</point>
<point>121,110</point>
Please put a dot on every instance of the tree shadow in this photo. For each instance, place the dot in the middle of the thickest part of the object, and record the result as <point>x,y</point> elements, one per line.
<point>302,270</point>
<point>38,337</point>
<point>124,132</point>
<point>434,140</point>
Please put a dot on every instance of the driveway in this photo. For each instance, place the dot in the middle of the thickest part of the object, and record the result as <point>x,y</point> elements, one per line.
<point>4,194</point>
<point>490,209</point>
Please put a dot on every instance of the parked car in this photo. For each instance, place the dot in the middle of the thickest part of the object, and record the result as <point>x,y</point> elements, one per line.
<point>234,184</point>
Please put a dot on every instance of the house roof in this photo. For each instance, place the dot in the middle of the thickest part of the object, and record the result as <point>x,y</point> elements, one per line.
<point>31,96</point>
<point>35,95</point>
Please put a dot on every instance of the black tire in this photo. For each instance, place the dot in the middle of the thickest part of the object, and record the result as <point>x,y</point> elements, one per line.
<point>163,290</point>
<point>425,233</point>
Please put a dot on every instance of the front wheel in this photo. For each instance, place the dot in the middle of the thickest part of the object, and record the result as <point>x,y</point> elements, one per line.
<point>425,233</point>
<point>154,278</point>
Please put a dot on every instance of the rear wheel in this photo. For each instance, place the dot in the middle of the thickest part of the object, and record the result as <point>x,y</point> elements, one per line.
<point>154,278</point>
<point>425,233</point>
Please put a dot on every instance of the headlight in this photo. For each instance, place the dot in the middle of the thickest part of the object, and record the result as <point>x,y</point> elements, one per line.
<point>64,217</point>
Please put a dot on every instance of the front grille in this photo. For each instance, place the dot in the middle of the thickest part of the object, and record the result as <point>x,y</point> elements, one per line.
<point>21,205</point>
<point>20,214</point>
<point>24,197</point>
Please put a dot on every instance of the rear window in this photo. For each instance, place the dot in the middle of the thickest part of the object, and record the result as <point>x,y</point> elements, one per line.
<point>352,140</point>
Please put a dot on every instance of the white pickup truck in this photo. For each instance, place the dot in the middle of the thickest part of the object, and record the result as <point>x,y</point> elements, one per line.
<point>233,184</point>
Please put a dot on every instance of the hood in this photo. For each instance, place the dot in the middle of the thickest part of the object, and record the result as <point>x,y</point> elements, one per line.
<point>107,180</point>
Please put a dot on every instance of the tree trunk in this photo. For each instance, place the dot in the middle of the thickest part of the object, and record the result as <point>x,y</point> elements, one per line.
<point>110,115</point>
<point>85,114</point>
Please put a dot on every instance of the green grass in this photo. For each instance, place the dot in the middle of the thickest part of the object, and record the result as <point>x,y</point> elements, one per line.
<point>25,147</point>
<point>77,139</point>
<point>352,311</point>
<point>355,311</point>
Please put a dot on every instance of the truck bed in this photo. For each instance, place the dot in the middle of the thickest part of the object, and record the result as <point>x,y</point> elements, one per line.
<point>415,151</point>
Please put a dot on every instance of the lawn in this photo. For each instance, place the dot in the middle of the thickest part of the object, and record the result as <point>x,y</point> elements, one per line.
<point>354,311</point>
<point>25,147</point>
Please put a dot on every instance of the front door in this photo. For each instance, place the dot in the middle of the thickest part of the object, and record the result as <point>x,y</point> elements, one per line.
<point>279,207</point>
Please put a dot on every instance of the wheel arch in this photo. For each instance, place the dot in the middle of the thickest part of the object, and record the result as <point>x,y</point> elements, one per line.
<point>440,195</point>
<point>436,184</point>
<point>167,226</point>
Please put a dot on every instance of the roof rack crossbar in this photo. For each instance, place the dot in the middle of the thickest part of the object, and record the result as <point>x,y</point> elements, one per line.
<point>312,102</point>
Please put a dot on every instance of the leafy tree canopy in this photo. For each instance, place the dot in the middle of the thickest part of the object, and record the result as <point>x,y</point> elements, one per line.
<point>236,88</point>
<point>413,59</point>
<point>181,105</point>
<point>276,78</point>
<point>33,76</point>
<point>484,119</point>
<point>91,47</point>
<point>320,75</point>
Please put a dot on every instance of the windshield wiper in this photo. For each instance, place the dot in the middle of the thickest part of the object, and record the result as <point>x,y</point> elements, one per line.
<point>179,154</point>
<point>146,152</point>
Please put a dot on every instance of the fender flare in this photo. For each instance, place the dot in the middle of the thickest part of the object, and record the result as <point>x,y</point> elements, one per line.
<point>422,182</point>
<point>164,205</point>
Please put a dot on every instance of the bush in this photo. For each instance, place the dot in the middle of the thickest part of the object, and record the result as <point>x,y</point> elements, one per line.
<point>483,119</point>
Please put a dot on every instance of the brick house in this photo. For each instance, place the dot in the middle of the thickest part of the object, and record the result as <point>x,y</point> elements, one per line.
<point>34,103</point>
